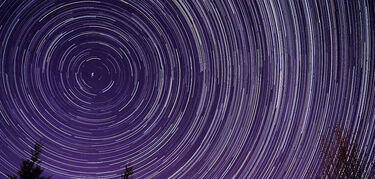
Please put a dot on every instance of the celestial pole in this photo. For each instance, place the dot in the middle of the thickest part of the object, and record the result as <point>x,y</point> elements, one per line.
<point>184,89</point>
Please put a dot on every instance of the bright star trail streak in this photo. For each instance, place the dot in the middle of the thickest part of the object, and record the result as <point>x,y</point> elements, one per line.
<point>184,89</point>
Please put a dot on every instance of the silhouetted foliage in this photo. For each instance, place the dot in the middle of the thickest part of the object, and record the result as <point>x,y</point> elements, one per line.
<point>342,159</point>
<point>30,168</point>
<point>128,172</point>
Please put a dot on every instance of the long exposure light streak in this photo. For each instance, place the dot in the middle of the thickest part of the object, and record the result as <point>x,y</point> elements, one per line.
<point>184,89</point>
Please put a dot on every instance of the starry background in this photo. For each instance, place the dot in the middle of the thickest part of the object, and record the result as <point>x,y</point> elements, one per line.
<point>179,88</point>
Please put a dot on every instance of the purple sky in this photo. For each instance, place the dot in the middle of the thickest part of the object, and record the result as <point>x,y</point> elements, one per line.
<point>183,89</point>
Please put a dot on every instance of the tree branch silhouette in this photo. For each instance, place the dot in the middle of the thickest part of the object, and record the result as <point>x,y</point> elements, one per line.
<point>342,158</point>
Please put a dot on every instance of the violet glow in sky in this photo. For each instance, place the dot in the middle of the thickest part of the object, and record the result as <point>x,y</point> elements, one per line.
<point>184,89</point>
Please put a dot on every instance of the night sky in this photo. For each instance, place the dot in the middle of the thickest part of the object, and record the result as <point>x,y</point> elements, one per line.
<point>184,89</point>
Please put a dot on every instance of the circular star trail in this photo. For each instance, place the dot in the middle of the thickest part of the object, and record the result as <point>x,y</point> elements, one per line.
<point>184,89</point>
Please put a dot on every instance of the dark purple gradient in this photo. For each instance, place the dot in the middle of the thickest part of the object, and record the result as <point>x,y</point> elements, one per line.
<point>184,89</point>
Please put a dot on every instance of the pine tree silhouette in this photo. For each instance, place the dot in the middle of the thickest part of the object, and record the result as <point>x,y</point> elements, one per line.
<point>30,168</point>
<point>128,172</point>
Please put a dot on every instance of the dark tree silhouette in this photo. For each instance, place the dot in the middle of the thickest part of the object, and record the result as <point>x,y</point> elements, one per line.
<point>30,168</point>
<point>128,172</point>
<point>342,158</point>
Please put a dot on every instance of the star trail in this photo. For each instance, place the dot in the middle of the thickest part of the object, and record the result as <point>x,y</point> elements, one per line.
<point>184,89</point>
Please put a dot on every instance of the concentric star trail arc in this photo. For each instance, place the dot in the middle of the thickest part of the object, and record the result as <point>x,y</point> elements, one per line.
<point>184,89</point>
